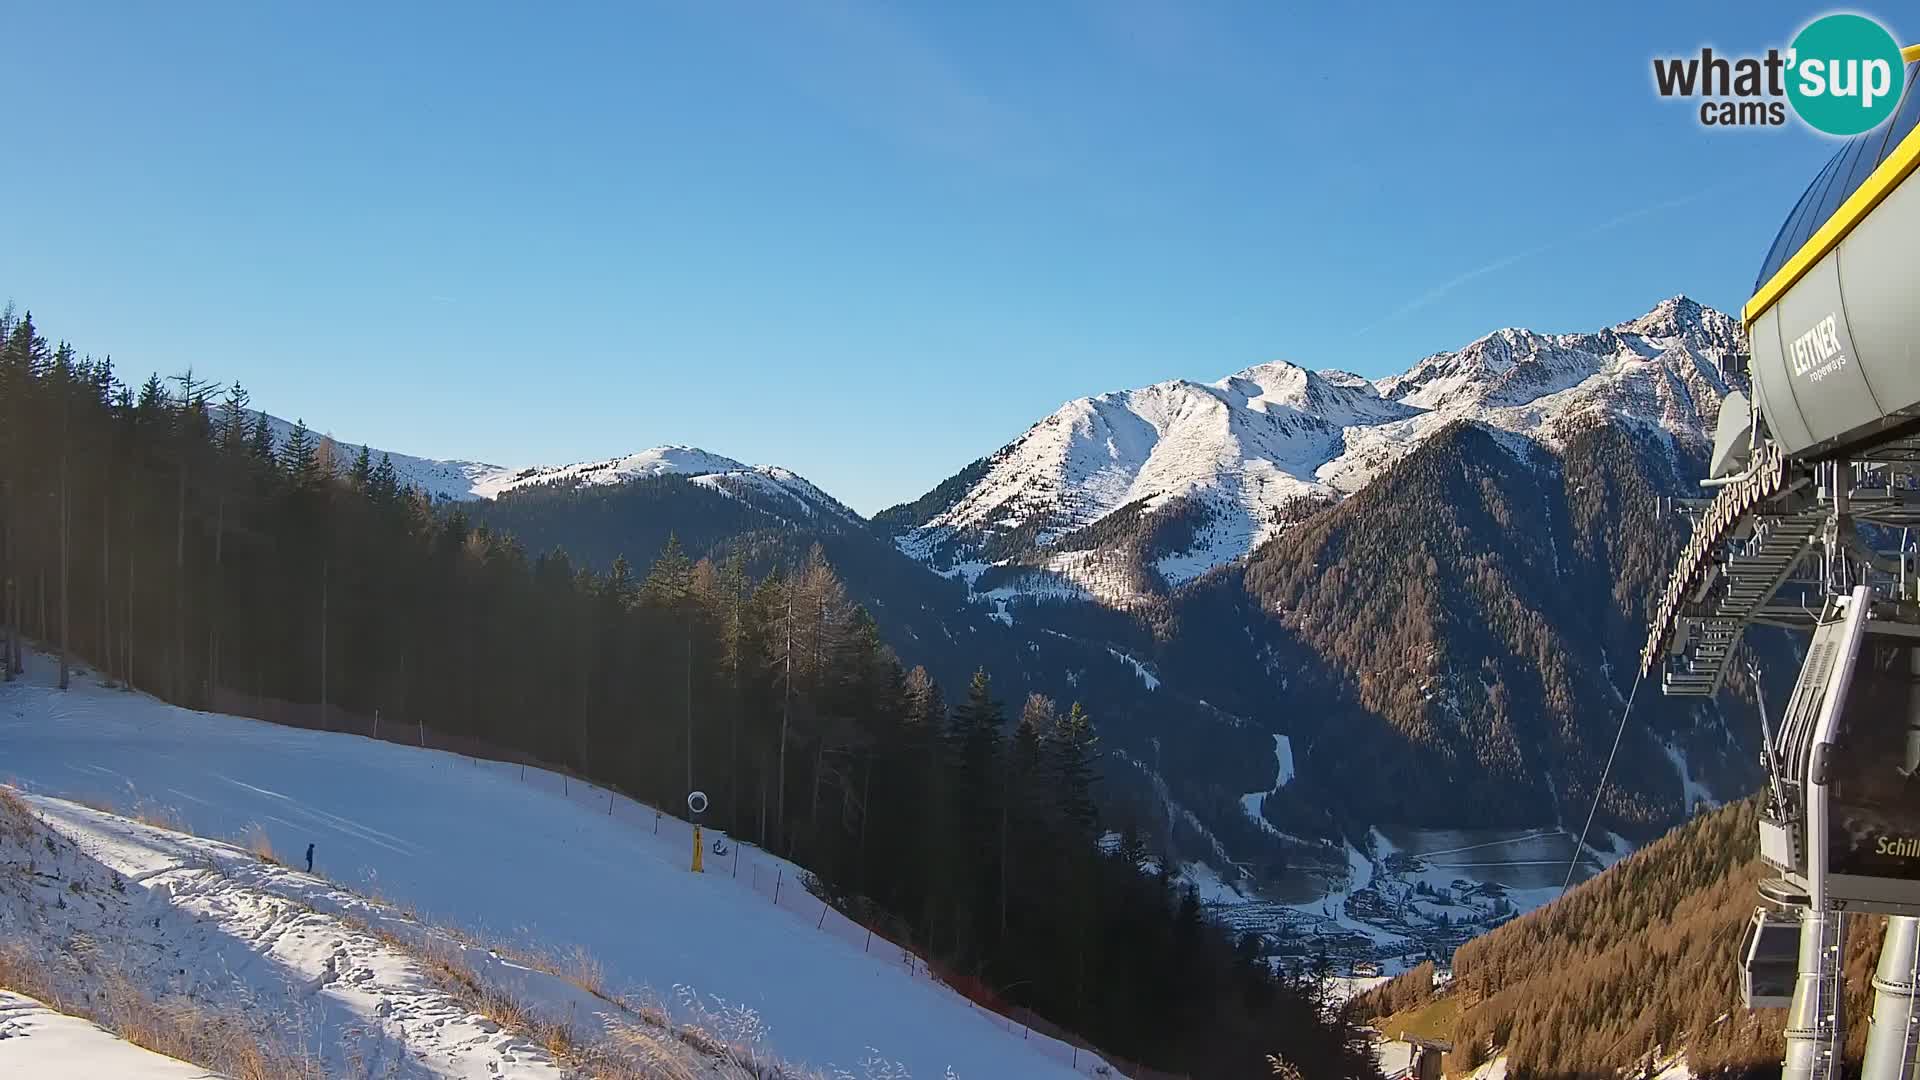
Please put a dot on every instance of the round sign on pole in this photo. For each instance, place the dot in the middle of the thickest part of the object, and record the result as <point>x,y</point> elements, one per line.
<point>697,802</point>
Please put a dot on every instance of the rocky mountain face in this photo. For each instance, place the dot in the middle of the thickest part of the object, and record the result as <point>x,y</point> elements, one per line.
<point>1469,622</point>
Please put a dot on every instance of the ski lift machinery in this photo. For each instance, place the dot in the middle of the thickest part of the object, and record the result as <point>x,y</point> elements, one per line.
<point>1814,526</point>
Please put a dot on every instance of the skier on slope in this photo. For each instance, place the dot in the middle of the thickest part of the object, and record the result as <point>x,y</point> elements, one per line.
<point>309,858</point>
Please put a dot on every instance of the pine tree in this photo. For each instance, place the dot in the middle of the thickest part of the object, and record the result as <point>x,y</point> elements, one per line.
<point>153,394</point>
<point>974,748</point>
<point>386,482</point>
<point>62,378</point>
<point>671,578</point>
<point>298,457</point>
<point>233,420</point>
<point>1070,754</point>
<point>260,444</point>
<point>361,476</point>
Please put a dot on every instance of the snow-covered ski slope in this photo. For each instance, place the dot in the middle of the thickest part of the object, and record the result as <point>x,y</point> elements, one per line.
<point>119,915</point>
<point>538,859</point>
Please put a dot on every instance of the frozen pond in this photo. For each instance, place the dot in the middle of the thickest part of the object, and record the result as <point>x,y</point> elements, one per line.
<point>1516,858</point>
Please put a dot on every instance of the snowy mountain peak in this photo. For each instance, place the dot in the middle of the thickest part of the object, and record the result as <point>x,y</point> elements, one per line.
<point>1231,457</point>
<point>1349,380</point>
<point>1676,316</point>
<point>656,461</point>
<point>771,486</point>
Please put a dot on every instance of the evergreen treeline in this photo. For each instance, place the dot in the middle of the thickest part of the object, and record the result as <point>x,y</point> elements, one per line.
<point>163,534</point>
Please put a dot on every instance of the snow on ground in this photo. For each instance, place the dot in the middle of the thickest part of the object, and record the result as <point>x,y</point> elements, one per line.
<point>1692,791</point>
<point>180,915</point>
<point>1216,544</point>
<point>1360,869</point>
<point>1210,887</point>
<point>1254,803</point>
<point>1140,669</point>
<point>462,481</point>
<point>1334,904</point>
<point>474,845</point>
<point>1283,759</point>
<point>1393,1057</point>
<point>38,1042</point>
<point>657,461</point>
<point>1341,989</point>
<point>1618,847</point>
<point>439,479</point>
<point>731,478</point>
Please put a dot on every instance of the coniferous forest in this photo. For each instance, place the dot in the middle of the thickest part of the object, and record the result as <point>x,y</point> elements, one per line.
<point>161,533</point>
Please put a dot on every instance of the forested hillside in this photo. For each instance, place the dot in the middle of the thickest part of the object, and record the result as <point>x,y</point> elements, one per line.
<point>171,543</point>
<point>1194,756</point>
<point>1469,618</point>
<point>1641,957</point>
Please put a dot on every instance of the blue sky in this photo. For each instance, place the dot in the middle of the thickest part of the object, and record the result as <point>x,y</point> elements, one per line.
<point>869,241</point>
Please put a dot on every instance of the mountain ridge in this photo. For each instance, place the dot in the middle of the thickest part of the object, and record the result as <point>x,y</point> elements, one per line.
<point>1234,456</point>
<point>458,480</point>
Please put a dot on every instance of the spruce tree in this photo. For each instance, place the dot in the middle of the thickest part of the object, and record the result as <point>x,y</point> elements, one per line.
<point>386,482</point>
<point>670,578</point>
<point>298,457</point>
<point>361,476</point>
<point>260,444</point>
<point>1070,753</point>
<point>233,420</point>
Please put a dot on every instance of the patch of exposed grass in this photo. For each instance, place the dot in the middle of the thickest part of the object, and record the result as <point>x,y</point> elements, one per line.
<point>258,842</point>
<point>16,817</point>
<point>1435,1019</point>
<point>160,817</point>
<point>223,1041</point>
<point>632,1040</point>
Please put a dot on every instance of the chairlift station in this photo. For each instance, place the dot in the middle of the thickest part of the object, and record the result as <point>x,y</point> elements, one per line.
<point>1814,526</point>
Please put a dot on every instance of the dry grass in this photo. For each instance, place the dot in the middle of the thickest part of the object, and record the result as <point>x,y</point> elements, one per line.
<point>576,966</point>
<point>16,817</point>
<point>23,973</point>
<point>583,970</point>
<point>631,1041</point>
<point>191,1031</point>
<point>160,817</point>
<point>222,1041</point>
<point>258,842</point>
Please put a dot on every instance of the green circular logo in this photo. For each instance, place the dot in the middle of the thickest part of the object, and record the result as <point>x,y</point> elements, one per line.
<point>1845,74</point>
